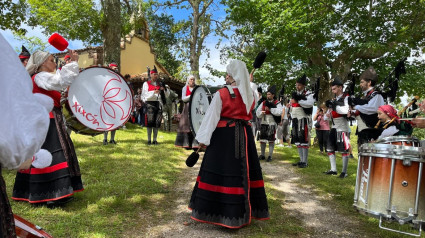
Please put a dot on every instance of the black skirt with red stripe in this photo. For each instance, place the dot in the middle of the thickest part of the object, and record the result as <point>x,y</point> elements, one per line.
<point>229,191</point>
<point>51,183</point>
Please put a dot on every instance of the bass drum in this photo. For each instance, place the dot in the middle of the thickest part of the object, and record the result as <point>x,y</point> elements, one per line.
<point>200,100</point>
<point>25,229</point>
<point>98,100</point>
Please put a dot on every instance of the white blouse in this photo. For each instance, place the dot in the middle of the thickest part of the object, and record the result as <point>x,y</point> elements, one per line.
<point>59,81</point>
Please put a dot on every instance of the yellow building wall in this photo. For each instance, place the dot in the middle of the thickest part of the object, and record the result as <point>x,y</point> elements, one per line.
<point>84,61</point>
<point>136,57</point>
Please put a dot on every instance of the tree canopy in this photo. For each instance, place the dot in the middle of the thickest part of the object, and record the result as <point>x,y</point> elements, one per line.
<point>329,38</point>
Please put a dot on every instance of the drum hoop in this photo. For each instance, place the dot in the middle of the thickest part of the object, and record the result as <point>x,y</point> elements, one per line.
<point>107,68</point>
<point>190,106</point>
<point>397,139</point>
<point>21,223</point>
<point>393,151</point>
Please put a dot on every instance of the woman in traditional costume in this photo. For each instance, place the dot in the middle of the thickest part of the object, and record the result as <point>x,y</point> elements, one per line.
<point>185,137</point>
<point>56,183</point>
<point>229,190</point>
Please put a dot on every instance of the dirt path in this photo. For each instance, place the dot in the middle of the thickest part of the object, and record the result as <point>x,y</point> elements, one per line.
<point>301,202</point>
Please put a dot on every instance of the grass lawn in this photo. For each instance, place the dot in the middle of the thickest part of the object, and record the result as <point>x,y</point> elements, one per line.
<point>129,188</point>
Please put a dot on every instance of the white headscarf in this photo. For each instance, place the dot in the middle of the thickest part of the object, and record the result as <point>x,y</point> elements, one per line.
<point>36,60</point>
<point>237,69</point>
<point>189,77</point>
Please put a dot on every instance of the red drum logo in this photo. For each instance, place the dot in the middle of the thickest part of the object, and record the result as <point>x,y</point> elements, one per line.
<point>100,99</point>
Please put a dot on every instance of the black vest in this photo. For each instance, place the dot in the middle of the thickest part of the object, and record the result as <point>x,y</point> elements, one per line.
<point>370,120</point>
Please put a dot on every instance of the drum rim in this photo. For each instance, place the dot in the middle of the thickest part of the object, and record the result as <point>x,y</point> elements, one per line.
<point>126,82</point>
<point>190,106</point>
<point>390,139</point>
<point>393,151</point>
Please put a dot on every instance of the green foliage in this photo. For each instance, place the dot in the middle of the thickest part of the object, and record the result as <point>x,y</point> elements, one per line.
<point>32,43</point>
<point>328,37</point>
<point>75,20</point>
<point>12,14</point>
<point>163,40</point>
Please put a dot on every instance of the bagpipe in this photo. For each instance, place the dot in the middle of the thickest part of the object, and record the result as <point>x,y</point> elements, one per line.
<point>387,88</point>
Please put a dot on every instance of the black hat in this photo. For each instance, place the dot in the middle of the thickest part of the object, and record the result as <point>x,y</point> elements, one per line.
<point>369,75</point>
<point>25,54</point>
<point>272,89</point>
<point>337,81</point>
<point>260,89</point>
<point>302,80</point>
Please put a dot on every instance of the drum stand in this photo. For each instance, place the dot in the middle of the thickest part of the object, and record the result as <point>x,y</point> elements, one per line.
<point>401,221</point>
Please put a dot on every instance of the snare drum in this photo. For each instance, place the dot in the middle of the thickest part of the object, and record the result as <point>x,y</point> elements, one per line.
<point>200,100</point>
<point>98,100</point>
<point>390,181</point>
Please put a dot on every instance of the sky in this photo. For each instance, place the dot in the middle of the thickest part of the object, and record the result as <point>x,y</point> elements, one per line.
<point>178,14</point>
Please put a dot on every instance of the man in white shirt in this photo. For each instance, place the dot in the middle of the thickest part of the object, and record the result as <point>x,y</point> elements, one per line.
<point>365,109</point>
<point>302,107</point>
<point>151,95</point>
<point>339,139</point>
<point>266,112</point>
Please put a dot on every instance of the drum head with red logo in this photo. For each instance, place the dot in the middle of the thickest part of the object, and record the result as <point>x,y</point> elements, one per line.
<point>100,99</point>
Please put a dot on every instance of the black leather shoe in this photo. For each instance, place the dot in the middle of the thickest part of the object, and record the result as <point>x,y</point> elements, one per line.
<point>343,175</point>
<point>261,157</point>
<point>302,165</point>
<point>149,143</point>
<point>269,159</point>
<point>330,172</point>
<point>112,142</point>
<point>296,164</point>
<point>155,142</point>
<point>105,142</point>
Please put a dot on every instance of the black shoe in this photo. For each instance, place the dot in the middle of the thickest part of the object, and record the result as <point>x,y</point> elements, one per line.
<point>59,202</point>
<point>296,164</point>
<point>351,156</point>
<point>343,175</point>
<point>261,157</point>
<point>112,142</point>
<point>105,142</point>
<point>155,142</point>
<point>330,172</point>
<point>269,159</point>
<point>302,165</point>
<point>149,142</point>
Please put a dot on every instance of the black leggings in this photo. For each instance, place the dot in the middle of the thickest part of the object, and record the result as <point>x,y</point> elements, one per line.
<point>322,136</point>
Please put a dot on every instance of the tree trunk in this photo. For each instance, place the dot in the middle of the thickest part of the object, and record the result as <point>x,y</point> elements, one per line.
<point>194,58</point>
<point>111,31</point>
